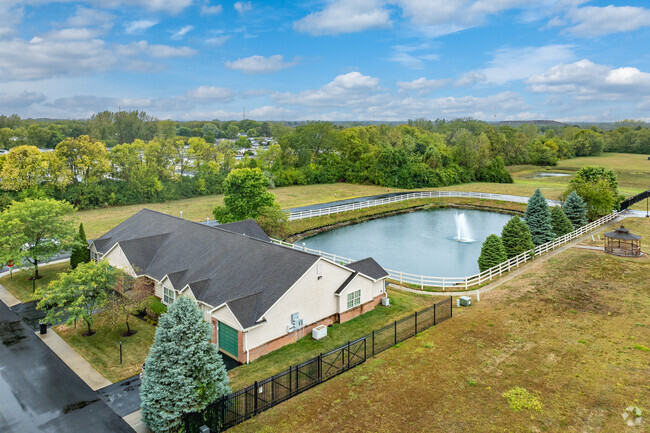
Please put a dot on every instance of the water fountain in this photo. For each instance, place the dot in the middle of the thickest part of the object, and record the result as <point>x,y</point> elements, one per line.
<point>463,233</point>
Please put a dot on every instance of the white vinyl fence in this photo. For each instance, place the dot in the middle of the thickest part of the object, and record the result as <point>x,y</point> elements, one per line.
<point>298,215</point>
<point>465,283</point>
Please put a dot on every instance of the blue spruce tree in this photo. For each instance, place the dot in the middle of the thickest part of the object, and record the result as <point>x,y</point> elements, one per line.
<point>184,371</point>
<point>538,219</point>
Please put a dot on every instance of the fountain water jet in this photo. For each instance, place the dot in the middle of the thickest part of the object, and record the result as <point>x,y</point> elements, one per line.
<point>463,233</point>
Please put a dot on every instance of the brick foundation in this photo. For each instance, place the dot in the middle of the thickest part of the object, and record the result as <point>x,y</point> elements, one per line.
<point>291,338</point>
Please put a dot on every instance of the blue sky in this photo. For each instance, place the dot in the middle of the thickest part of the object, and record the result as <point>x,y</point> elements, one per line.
<point>568,60</point>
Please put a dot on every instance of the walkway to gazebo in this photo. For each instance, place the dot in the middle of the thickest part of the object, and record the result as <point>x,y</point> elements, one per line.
<point>621,242</point>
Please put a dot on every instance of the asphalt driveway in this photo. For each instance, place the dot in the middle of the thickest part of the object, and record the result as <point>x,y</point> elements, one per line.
<point>39,393</point>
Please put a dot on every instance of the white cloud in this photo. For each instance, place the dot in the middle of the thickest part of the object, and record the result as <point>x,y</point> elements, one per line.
<point>260,64</point>
<point>242,7</point>
<point>270,112</point>
<point>217,41</point>
<point>73,34</point>
<point>209,94</point>
<point>85,17</point>
<point>509,64</point>
<point>422,86</point>
<point>470,78</point>
<point>206,9</point>
<point>586,80</point>
<point>139,26</point>
<point>407,56</point>
<point>345,16</point>
<point>591,21</point>
<point>352,88</point>
<point>180,34</point>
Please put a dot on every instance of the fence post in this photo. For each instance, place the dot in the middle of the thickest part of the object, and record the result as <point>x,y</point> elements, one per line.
<point>395,332</point>
<point>255,401</point>
<point>373,342</point>
<point>434,314</point>
<point>451,309</point>
<point>320,367</point>
<point>416,323</point>
<point>365,349</point>
<point>290,379</point>
<point>348,353</point>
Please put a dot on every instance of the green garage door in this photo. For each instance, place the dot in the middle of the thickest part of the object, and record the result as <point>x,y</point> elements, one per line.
<point>228,339</point>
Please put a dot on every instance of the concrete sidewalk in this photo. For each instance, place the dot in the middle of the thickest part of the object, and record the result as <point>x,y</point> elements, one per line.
<point>7,298</point>
<point>76,362</point>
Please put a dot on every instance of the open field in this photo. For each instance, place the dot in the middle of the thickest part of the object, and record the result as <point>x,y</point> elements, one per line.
<point>633,172</point>
<point>21,287</point>
<point>102,349</point>
<point>573,331</point>
<point>99,221</point>
<point>402,305</point>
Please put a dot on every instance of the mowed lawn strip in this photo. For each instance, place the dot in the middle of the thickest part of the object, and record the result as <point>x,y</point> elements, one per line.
<point>22,288</point>
<point>572,332</point>
<point>402,305</point>
<point>102,349</point>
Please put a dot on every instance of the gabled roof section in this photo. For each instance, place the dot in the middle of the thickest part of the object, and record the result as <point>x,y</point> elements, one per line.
<point>369,267</point>
<point>247,308</point>
<point>247,228</point>
<point>220,265</point>
<point>346,283</point>
<point>142,251</point>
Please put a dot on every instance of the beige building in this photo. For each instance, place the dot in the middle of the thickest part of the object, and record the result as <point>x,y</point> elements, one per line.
<point>257,295</point>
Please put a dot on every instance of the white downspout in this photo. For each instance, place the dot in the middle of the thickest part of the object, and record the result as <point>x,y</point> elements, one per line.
<point>246,347</point>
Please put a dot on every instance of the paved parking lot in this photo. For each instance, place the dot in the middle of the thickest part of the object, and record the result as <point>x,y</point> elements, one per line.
<point>39,393</point>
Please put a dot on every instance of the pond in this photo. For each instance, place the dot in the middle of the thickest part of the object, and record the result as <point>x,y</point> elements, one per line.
<point>425,242</point>
<point>547,174</point>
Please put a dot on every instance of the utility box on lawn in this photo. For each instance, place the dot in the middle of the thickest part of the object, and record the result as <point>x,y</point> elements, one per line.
<point>465,301</point>
<point>385,301</point>
<point>319,332</point>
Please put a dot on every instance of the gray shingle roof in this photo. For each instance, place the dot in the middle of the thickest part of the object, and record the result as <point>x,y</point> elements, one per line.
<point>346,282</point>
<point>369,267</point>
<point>247,228</point>
<point>219,265</point>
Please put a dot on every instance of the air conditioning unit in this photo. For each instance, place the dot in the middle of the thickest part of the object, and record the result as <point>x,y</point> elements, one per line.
<point>319,332</point>
<point>465,301</point>
<point>385,301</point>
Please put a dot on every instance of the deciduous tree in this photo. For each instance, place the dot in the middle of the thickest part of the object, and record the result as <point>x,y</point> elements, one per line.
<point>36,230</point>
<point>598,187</point>
<point>244,195</point>
<point>79,294</point>
<point>184,371</point>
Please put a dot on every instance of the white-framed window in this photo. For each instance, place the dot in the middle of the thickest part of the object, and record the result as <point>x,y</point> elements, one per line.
<point>168,295</point>
<point>354,299</point>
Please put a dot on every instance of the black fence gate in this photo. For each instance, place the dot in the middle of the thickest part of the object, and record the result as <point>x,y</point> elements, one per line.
<point>239,406</point>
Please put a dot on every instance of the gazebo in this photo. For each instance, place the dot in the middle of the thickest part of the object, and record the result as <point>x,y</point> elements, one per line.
<point>621,242</point>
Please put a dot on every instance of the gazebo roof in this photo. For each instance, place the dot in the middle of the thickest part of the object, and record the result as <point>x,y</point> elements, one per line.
<point>622,233</point>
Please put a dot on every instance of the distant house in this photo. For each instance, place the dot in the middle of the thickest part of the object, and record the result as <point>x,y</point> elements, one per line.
<point>257,295</point>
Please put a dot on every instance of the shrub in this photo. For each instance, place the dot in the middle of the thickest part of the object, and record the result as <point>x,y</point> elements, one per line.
<point>520,399</point>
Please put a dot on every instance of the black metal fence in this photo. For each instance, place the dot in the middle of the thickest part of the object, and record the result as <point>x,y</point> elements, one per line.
<point>239,406</point>
<point>633,200</point>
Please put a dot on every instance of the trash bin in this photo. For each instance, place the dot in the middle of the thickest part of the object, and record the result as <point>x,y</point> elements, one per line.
<point>43,327</point>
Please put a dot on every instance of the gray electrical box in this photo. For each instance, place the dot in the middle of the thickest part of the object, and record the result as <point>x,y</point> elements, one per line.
<point>465,301</point>
<point>204,429</point>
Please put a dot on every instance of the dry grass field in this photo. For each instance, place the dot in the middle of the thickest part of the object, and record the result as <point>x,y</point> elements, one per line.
<point>574,332</point>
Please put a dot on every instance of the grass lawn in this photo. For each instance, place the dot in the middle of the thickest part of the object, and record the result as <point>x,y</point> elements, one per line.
<point>402,305</point>
<point>573,331</point>
<point>102,349</point>
<point>633,174</point>
<point>21,287</point>
<point>99,221</point>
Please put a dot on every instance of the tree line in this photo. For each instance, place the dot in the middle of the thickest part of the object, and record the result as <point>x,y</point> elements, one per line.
<point>129,157</point>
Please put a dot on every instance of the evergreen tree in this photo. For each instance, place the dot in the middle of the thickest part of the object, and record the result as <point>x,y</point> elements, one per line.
<point>561,224</point>
<point>516,237</point>
<point>492,253</point>
<point>184,371</point>
<point>80,252</point>
<point>575,209</point>
<point>538,219</point>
